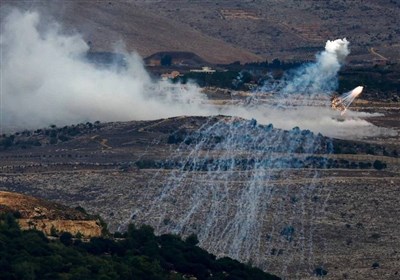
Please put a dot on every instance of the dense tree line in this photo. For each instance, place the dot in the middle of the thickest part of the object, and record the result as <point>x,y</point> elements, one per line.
<point>210,164</point>
<point>380,82</point>
<point>137,254</point>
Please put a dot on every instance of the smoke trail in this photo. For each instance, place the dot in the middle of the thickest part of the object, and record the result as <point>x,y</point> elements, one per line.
<point>46,79</point>
<point>319,76</point>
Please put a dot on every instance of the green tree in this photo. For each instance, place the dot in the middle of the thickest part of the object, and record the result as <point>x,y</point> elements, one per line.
<point>66,238</point>
<point>166,60</point>
<point>379,165</point>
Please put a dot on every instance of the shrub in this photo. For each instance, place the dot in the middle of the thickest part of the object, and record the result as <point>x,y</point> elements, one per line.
<point>319,271</point>
<point>66,238</point>
<point>379,165</point>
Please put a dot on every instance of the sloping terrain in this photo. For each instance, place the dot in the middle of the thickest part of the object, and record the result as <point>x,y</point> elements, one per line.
<point>137,254</point>
<point>48,217</point>
<point>109,25</point>
<point>293,29</point>
<point>228,31</point>
<point>329,213</point>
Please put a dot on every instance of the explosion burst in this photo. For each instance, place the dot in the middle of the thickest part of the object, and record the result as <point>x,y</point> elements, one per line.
<point>341,103</point>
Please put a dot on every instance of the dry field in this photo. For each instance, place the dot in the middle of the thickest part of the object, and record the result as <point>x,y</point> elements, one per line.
<point>292,29</point>
<point>228,31</point>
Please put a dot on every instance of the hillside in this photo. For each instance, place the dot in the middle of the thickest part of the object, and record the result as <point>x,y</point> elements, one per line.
<point>293,29</point>
<point>272,188</point>
<point>227,31</point>
<point>172,174</point>
<point>107,25</point>
<point>48,217</point>
<point>138,254</point>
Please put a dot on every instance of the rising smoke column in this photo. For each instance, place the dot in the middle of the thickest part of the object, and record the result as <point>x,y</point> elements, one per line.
<point>47,80</point>
<point>319,76</point>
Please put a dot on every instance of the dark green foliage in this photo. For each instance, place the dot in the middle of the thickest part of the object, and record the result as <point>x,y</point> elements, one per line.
<point>287,232</point>
<point>319,271</point>
<point>355,147</point>
<point>7,141</point>
<point>81,209</point>
<point>178,137</point>
<point>380,81</point>
<point>375,265</point>
<point>192,240</point>
<point>379,165</point>
<point>66,238</point>
<point>63,138</point>
<point>228,79</point>
<point>146,164</point>
<point>138,255</point>
<point>51,135</point>
<point>166,60</point>
<point>53,140</point>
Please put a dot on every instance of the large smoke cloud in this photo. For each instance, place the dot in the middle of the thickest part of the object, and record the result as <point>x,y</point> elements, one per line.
<point>320,76</point>
<point>47,80</point>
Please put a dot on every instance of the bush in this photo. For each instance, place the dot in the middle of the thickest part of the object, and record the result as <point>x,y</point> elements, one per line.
<point>379,165</point>
<point>192,240</point>
<point>141,255</point>
<point>319,271</point>
<point>66,238</point>
<point>288,232</point>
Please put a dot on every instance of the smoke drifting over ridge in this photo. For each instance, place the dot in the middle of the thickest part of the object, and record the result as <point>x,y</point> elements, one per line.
<point>47,80</point>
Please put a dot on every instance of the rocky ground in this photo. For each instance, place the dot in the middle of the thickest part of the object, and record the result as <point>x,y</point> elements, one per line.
<point>299,222</point>
<point>49,217</point>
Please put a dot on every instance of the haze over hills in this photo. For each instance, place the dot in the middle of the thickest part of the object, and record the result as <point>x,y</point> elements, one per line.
<point>253,159</point>
<point>227,31</point>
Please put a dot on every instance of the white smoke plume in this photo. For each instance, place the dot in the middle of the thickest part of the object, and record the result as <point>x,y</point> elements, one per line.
<point>319,76</point>
<point>46,80</point>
